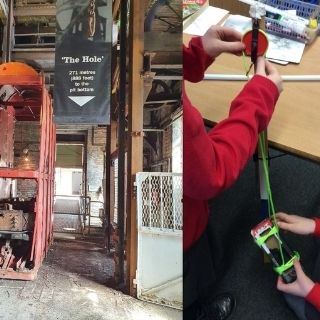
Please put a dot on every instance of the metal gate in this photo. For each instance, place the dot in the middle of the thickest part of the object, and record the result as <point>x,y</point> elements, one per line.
<point>159,265</point>
<point>68,217</point>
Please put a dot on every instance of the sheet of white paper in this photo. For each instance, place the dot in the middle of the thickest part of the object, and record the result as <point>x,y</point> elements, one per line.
<point>210,16</point>
<point>279,48</point>
<point>284,49</point>
<point>284,63</point>
<point>239,23</point>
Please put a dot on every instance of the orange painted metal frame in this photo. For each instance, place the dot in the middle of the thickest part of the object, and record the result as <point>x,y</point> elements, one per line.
<point>44,176</point>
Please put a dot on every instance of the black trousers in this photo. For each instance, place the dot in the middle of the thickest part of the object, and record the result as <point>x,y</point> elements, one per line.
<point>200,270</point>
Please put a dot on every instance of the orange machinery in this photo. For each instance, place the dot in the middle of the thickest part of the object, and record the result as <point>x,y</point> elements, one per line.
<point>25,223</point>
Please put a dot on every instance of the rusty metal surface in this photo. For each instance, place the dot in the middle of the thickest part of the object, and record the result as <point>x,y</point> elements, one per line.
<point>6,147</point>
<point>6,138</point>
<point>35,107</point>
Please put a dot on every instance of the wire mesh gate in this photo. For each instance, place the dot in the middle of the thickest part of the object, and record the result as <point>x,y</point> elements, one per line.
<point>159,265</point>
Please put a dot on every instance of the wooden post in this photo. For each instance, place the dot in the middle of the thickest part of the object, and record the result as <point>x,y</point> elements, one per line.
<point>135,131</point>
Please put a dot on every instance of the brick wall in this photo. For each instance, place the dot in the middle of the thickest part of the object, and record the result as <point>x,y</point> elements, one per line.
<point>27,137</point>
<point>95,161</point>
<point>26,188</point>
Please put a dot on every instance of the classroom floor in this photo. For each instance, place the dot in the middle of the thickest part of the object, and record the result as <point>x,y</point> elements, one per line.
<point>296,189</point>
<point>72,285</point>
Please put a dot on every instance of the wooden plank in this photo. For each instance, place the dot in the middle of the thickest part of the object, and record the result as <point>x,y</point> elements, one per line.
<point>30,11</point>
<point>115,9</point>
<point>135,150</point>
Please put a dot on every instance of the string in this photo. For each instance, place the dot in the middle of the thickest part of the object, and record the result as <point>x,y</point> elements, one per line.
<point>245,66</point>
<point>262,149</point>
<point>272,213</point>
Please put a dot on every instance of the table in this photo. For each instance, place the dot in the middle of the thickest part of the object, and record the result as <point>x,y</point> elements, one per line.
<point>295,126</point>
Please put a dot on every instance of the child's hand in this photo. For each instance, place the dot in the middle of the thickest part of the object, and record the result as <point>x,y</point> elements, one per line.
<point>222,39</point>
<point>295,224</point>
<point>266,69</point>
<point>301,287</point>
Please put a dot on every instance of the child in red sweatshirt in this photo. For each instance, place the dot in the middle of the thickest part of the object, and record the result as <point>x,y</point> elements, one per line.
<point>213,161</point>
<point>303,295</point>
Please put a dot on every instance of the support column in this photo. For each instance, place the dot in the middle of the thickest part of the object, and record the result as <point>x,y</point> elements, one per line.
<point>119,273</point>
<point>135,150</point>
<point>8,34</point>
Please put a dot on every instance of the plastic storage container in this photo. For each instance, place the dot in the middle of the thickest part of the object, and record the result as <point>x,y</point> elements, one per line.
<point>303,9</point>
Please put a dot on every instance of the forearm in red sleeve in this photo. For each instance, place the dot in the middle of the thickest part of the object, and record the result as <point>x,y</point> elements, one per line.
<point>212,161</point>
<point>195,60</point>
<point>314,296</point>
<point>317,229</point>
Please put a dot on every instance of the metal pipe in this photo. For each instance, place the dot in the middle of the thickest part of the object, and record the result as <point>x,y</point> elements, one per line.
<point>153,130</point>
<point>161,101</point>
<point>159,77</point>
<point>85,174</point>
<point>166,66</point>
<point>9,33</point>
<point>239,77</point>
<point>107,189</point>
<point>122,137</point>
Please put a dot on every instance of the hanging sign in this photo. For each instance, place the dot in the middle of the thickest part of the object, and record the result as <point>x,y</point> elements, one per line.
<point>82,87</point>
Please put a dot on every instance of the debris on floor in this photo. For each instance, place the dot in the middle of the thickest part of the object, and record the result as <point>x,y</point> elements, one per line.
<point>71,284</point>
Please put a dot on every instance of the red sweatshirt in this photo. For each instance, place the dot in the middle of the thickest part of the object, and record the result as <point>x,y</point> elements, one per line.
<point>212,161</point>
<point>314,295</point>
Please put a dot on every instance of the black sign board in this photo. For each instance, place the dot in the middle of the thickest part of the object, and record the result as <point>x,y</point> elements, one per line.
<point>83,62</point>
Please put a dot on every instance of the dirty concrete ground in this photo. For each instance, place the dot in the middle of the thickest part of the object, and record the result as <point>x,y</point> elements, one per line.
<point>71,285</point>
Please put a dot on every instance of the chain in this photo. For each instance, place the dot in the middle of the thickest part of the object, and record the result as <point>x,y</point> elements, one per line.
<point>92,18</point>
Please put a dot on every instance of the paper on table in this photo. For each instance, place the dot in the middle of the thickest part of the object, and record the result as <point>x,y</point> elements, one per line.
<point>279,48</point>
<point>209,17</point>
<point>284,63</point>
<point>239,23</point>
<point>284,49</point>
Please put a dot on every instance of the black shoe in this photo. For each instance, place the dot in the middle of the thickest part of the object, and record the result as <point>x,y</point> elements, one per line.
<point>218,308</point>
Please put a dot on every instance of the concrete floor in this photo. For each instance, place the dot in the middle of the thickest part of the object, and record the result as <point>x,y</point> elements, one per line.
<point>68,286</point>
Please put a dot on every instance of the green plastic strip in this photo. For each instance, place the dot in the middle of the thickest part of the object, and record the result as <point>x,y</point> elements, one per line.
<point>261,240</point>
<point>284,267</point>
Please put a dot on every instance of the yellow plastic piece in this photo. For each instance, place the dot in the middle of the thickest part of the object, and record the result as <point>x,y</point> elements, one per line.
<point>313,23</point>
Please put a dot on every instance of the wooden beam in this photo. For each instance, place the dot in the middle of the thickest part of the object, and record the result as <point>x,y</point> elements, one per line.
<point>115,9</point>
<point>135,131</point>
<point>31,11</point>
<point>4,11</point>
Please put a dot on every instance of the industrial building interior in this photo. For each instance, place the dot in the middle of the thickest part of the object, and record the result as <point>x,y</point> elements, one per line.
<point>88,266</point>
